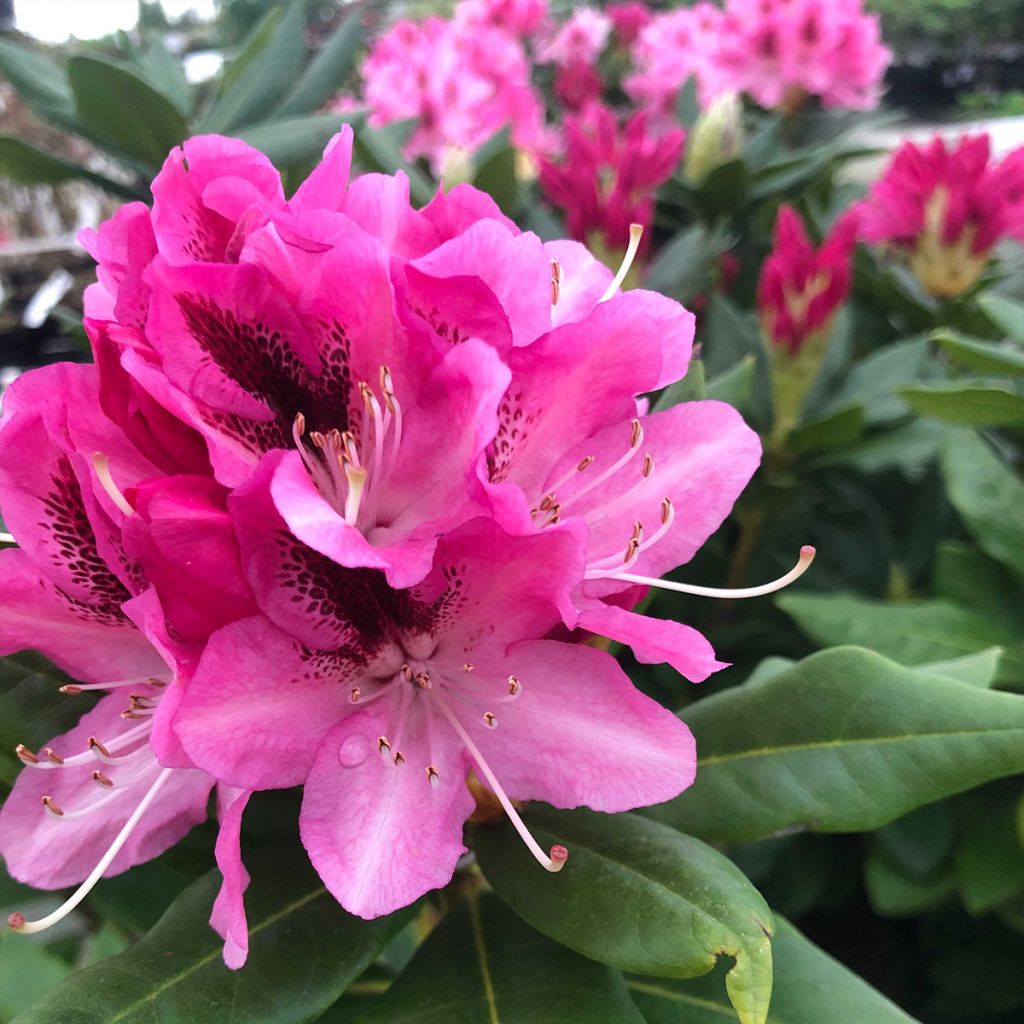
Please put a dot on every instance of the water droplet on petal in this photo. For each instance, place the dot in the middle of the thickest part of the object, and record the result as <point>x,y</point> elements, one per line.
<point>353,750</point>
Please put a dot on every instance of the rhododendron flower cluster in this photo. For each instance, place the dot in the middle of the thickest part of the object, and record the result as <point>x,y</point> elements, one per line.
<point>945,206</point>
<point>606,179</point>
<point>781,51</point>
<point>347,487</point>
<point>463,80</point>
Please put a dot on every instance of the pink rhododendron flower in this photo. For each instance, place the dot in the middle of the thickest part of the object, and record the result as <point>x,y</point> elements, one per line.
<point>628,20</point>
<point>579,39</point>
<point>801,288</point>
<point>517,17</point>
<point>946,206</point>
<point>415,494</point>
<point>117,789</point>
<point>607,177</point>
<point>672,48</point>
<point>462,80</point>
<point>780,51</point>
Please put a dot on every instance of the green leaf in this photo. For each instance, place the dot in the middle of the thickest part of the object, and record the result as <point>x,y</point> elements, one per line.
<point>327,71</point>
<point>907,449</point>
<point>303,951</point>
<point>266,67</point>
<point>845,741</point>
<point>989,858</point>
<point>978,669</point>
<point>22,162</point>
<point>41,83</point>
<point>497,177</point>
<point>969,577</point>
<point>836,430</point>
<point>118,108</point>
<point>1007,314</point>
<point>687,104</point>
<point>685,267</point>
<point>688,904</point>
<point>894,892</point>
<point>977,354</point>
<point>482,965</point>
<point>910,632</point>
<point>690,389</point>
<point>28,970</point>
<point>296,141</point>
<point>166,74</point>
<point>32,709</point>
<point>734,386</point>
<point>989,497</point>
<point>966,402</point>
<point>810,988</point>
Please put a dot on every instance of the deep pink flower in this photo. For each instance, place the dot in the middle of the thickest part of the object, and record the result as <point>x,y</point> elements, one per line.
<point>463,80</point>
<point>801,288</point>
<point>946,207</point>
<point>606,179</point>
<point>629,19</point>
<point>517,17</point>
<point>117,789</point>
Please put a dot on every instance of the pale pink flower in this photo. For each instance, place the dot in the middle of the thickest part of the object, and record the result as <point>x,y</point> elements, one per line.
<point>580,39</point>
<point>780,51</point>
<point>462,80</point>
<point>672,48</point>
<point>517,17</point>
<point>946,206</point>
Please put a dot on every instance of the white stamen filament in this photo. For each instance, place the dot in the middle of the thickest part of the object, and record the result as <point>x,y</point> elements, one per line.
<point>75,688</point>
<point>556,861</point>
<point>17,921</point>
<point>635,233</point>
<point>802,565</point>
<point>613,563</point>
<point>94,754</point>
<point>636,440</point>
<point>101,465</point>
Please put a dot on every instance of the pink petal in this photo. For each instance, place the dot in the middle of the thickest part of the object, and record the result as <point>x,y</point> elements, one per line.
<point>378,833</point>
<point>253,728</point>
<point>325,187</point>
<point>581,733</point>
<point>655,640</point>
<point>228,918</point>
<point>583,281</point>
<point>51,853</point>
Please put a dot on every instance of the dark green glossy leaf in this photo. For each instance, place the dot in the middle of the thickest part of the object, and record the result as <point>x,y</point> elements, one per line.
<point>969,577</point>
<point>497,177</point>
<point>734,386</point>
<point>142,123</point>
<point>989,860</point>
<point>810,988</point>
<point>165,73</point>
<point>895,892</point>
<point>326,72</point>
<point>691,388</point>
<point>836,430</point>
<point>687,903</point>
<point>969,403</point>
<point>845,741</point>
<point>1007,314</point>
<point>261,73</point>
<point>989,497</point>
<point>28,970</point>
<point>979,669</point>
<point>24,163</point>
<point>685,267</point>
<point>42,84</point>
<point>304,949</point>
<point>977,354</point>
<point>482,965</point>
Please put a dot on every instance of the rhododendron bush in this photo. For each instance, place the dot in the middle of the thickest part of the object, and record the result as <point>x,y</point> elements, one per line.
<point>533,521</point>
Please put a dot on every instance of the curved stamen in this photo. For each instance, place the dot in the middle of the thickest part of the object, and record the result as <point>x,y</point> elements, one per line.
<point>97,750</point>
<point>636,439</point>
<point>635,233</point>
<point>803,564</point>
<point>17,921</point>
<point>101,465</point>
<point>558,855</point>
<point>607,566</point>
